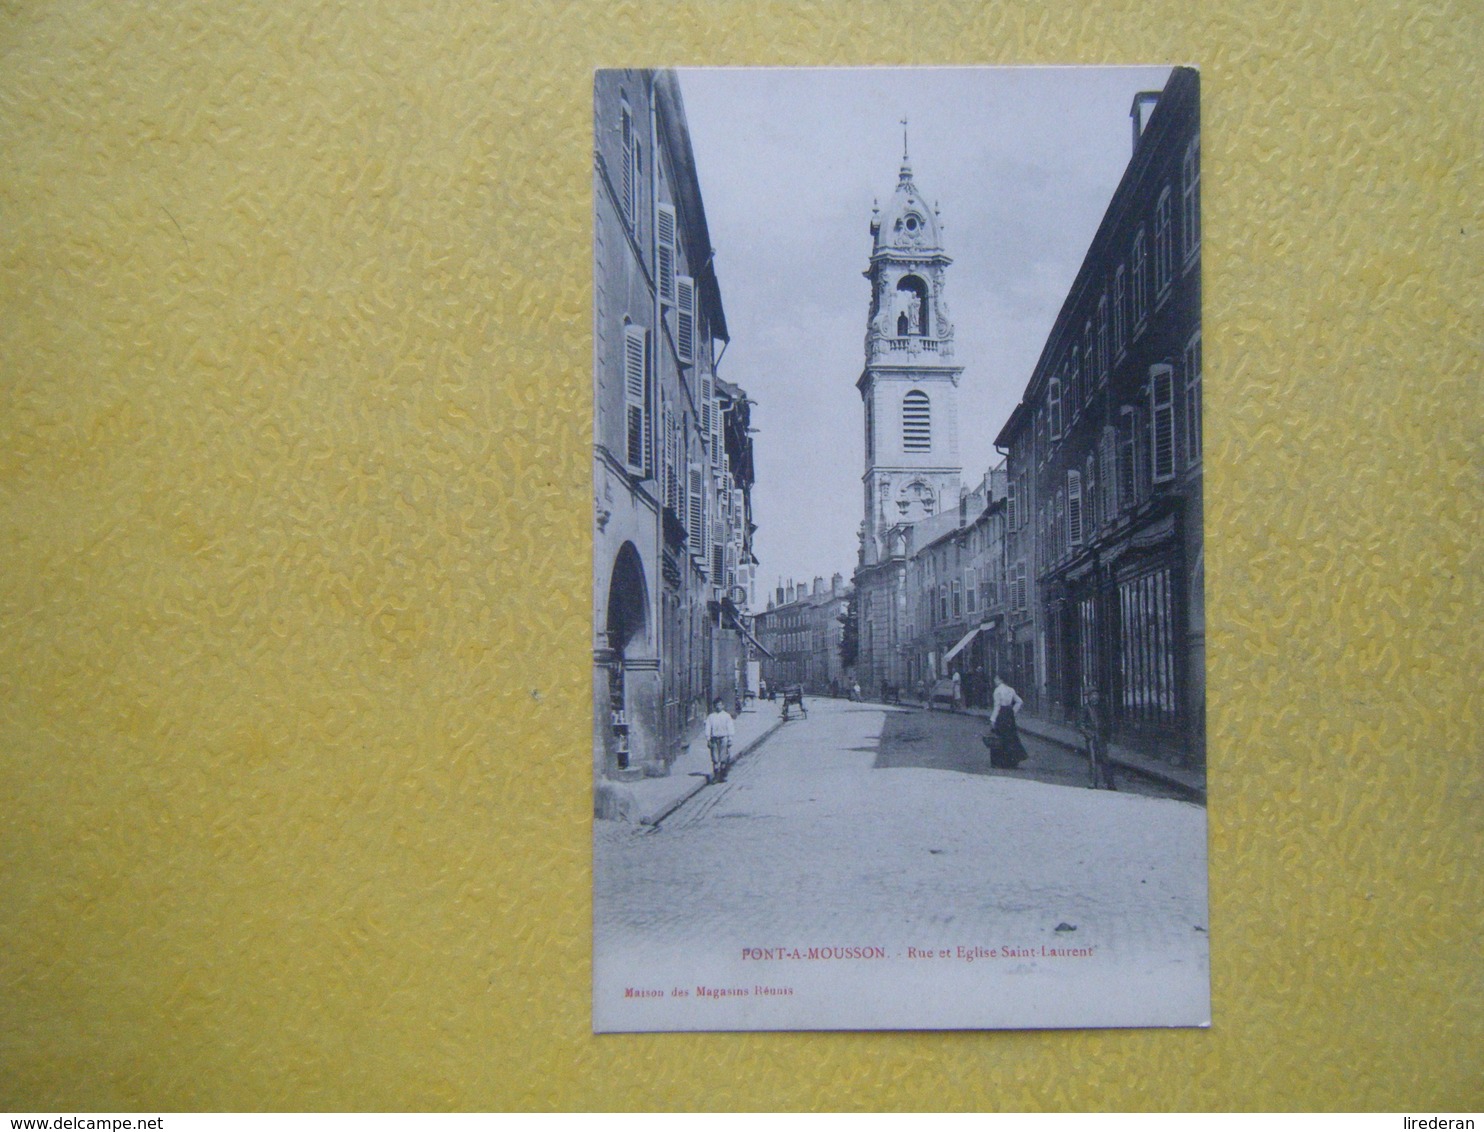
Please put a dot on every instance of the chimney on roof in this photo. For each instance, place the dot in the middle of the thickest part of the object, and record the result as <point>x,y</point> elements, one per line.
<point>818,586</point>
<point>837,583</point>
<point>1139,112</point>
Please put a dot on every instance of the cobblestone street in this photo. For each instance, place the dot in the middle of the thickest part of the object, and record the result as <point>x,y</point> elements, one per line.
<point>812,842</point>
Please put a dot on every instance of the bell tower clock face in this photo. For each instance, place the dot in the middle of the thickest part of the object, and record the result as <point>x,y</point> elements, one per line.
<point>915,501</point>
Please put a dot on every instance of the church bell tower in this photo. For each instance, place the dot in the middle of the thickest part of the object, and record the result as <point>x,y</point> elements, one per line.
<point>910,383</point>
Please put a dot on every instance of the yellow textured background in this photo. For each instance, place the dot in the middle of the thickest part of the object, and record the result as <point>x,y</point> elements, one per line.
<point>294,520</point>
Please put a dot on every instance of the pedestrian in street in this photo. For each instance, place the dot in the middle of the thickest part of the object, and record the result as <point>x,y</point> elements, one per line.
<point>719,732</point>
<point>1003,741</point>
<point>855,692</point>
<point>1093,725</point>
<point>958,691</point>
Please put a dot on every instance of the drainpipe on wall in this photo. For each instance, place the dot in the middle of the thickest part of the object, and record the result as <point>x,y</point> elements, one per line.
<point>656,418</point>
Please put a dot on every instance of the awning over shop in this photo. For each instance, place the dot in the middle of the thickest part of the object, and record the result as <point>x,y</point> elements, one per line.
<point>956,649</point>
<point>746,635</point>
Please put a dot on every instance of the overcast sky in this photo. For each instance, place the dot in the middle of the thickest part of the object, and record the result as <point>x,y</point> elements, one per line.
<point>1023,162</point>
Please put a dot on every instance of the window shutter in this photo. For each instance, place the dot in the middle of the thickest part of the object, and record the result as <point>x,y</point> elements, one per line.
<point>626,175</point>
<point>695,504</point>
<point>685,318</point>
<point>708,505</point>
<point>665,236</point>
<point>636,454</point>
<point>1163,245</point>
<point>1054,405</point>
<point>917,424</point>
<point>672,462</point>
<point>706,425</point>
<point>1107,474</point>
<point>1191,195</point>
<point>1193,399</point>
<point>1162,421</point>
<point>1011,514</point>
<point>1128,451</point>
<point>1074,508</point>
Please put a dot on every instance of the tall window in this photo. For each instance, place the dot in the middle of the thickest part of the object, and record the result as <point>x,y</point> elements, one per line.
<point>1074,508</point>
<point>669,440</point>
<point>1102,338</point>
<point>917,430</point>
<point>1193,399</point>
<point>636,399</point>
<point>1129,478</point>
<point>1089,361</point>
<point>628,182</point>
<point>1163,245</point>
<point>1074,377</point>
<point>1162,422</point>
<point>695,509</point>
<point>1108,472</point>
<point>1141,281</point>
<point>665,247</point>
<point>1053,406</point>
<point>1147,663</point>
<point>685,318</point>
<point>1190,189</point>
<point>1120,310</point>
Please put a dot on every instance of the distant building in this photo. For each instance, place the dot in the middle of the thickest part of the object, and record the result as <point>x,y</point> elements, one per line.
<point>909,391</point>
<point>802,629</point>
<point>672,459</point>
<point>1104,545</point>
<point>955,587</point>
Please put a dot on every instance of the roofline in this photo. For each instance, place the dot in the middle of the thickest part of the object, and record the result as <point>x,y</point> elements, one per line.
<point>687,189</point>
<point>1182,86</point>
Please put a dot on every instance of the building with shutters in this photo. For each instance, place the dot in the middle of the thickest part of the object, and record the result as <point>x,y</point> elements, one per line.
<point>672,458</point>
<point>801,629</point>
<point>1104,562</point>
<point>955,566</point>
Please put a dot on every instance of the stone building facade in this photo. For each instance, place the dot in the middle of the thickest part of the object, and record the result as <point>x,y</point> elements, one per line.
<point>1104,516</point>
<point>955,594</point>
<point>672,464</point>
<point>801,629</point>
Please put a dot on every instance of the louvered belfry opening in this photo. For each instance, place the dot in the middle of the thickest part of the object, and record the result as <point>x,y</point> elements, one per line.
<point>917,426</point>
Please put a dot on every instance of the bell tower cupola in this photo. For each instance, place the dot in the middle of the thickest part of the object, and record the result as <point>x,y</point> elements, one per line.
<point>909,384</point>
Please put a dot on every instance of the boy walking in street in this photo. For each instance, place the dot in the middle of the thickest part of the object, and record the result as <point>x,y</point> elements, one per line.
<point>719,732</point>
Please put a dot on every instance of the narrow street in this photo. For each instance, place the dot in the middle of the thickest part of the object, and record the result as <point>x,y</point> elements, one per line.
<point>884,828</point>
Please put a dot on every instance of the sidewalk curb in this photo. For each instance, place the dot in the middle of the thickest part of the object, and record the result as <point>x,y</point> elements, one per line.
<point>701,784</point>
<point>1029,723</point>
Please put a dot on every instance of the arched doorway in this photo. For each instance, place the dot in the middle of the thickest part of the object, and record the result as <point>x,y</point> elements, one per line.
<point>628,623</point>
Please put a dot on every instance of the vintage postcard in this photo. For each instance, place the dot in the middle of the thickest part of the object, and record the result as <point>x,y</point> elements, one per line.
<point>898,593</point>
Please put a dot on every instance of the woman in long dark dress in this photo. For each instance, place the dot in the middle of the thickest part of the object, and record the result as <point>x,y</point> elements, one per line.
<point>1005,748</point>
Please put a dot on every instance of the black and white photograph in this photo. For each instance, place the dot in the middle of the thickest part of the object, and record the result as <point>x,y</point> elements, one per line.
<point>898,574</point>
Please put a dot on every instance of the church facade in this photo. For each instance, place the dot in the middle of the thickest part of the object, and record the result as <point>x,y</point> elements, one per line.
<point>909,392</point>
